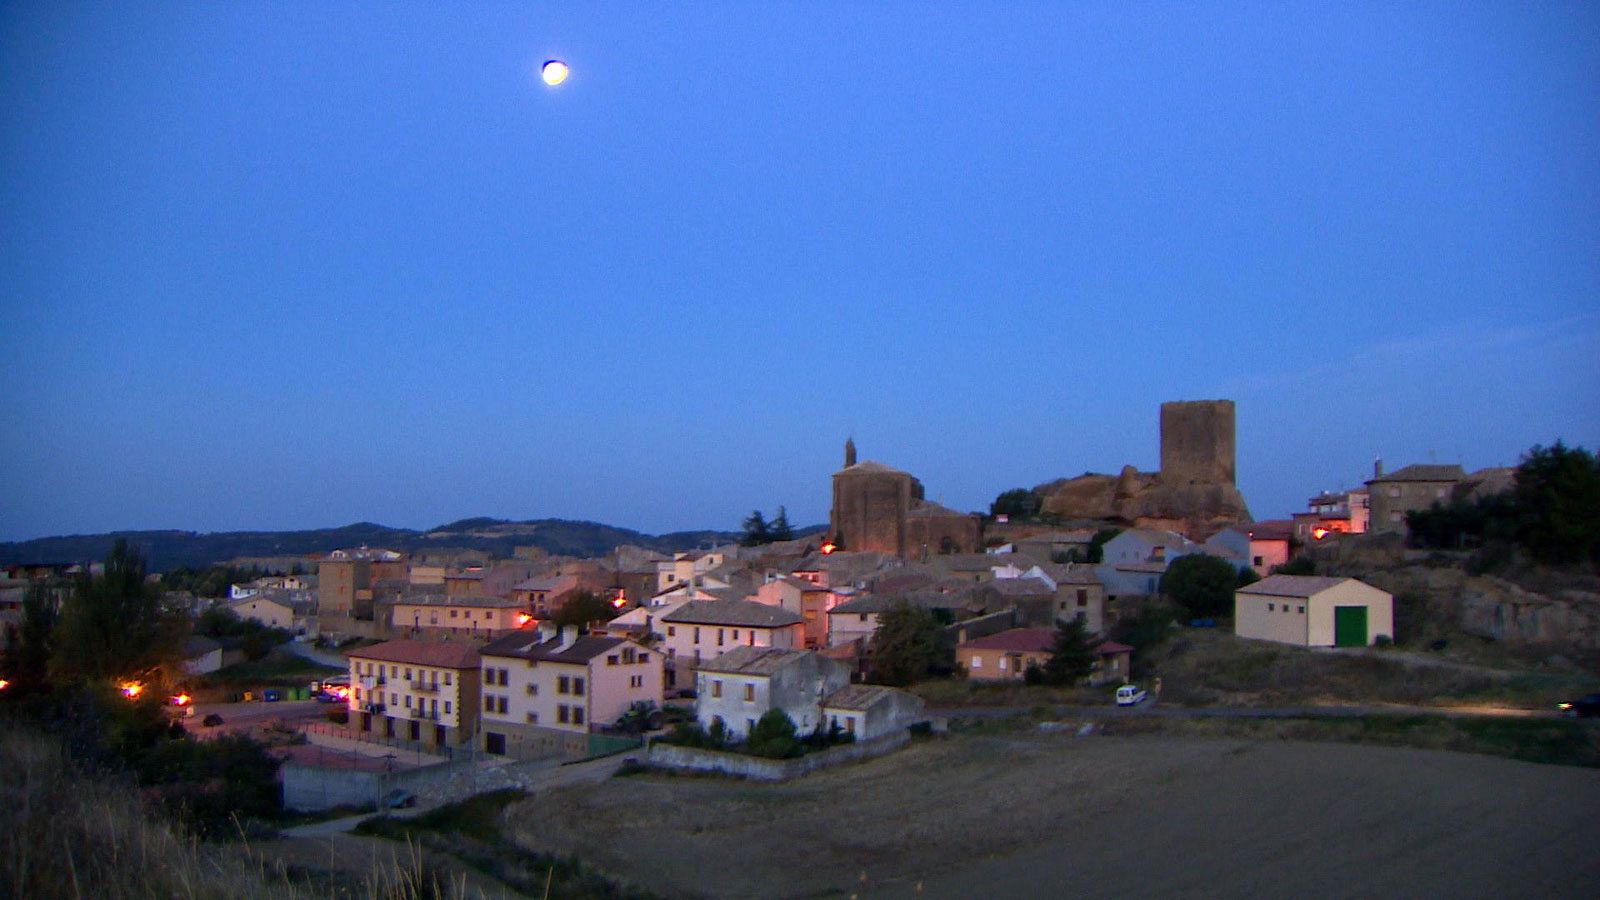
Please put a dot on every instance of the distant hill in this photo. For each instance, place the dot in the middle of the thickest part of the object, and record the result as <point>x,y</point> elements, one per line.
<point>169,549</point>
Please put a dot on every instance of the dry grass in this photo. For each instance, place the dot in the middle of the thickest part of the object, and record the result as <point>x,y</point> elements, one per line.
<point>69,835</point>
<point>1217,668</point>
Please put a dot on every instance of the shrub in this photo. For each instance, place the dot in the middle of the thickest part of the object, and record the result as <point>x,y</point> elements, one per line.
<point>773,737</point>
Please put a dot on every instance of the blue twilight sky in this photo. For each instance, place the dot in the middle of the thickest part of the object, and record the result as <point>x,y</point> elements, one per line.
<point>303,264</point>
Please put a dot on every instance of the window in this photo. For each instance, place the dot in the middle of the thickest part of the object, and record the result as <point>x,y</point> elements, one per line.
<point>749,693</point>
<point>719,637</point>
<point>850,724</point>
<point>736,635</point>
<point>563,685</point>
<point>644,657</point>
<point>1083,597</point>
<point>533,718</point>
<point>697,634</point>
<point>977,662</point>
<point>1257,561</point>
<point>488,703</point>
<point>408,701</point>
<point>408,673</point>
<point>862,617</point>
<point>716,688</point>
<point>672,631</point>
<point>394,699</point>
<point>533,690</point>
<point>562,715</point>
<point>577,687</point>
<point>611,660</point>
<point>577,715</point>
<point>636,681</point>
<point>1302,610</point>
<point>447,707</point>
<point>1270,607</point>
<point>1003,663</point>
<point>452,614</point>
<point>502,702</point>
<point>447,679</point>
<point>627,655</point>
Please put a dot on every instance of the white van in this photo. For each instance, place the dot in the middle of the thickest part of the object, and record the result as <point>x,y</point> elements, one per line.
<point>1131,695</point>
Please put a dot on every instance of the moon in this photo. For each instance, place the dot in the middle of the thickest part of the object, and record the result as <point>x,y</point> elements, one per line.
<point>554,72</point>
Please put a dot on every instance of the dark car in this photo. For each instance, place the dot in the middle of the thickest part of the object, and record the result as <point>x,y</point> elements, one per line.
<point>1585,707</point>
<point>399,798</point>
<point>211,720</point>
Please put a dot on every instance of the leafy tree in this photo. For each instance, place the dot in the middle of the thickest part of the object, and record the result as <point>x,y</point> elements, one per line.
<point>1557,496</point>
<point>1247,577</point>
<point>1072,656</point>
<point>30,643</point>
<point>756,530</point>
<point>773,737</point>
<point>1300,565</point>
<point>780,529</point>
<point>1201,584</point>
<point>112,626</point>
<point>1018,503</point>
<point>581,608</point>
<point>1097,544</point>
<point>908,645</point>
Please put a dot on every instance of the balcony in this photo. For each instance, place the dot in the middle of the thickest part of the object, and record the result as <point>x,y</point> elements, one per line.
<point>425,687</point>
<point>418,712</point>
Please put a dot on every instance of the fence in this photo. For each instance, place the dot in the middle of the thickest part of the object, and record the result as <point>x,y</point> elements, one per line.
<point>376,739</point>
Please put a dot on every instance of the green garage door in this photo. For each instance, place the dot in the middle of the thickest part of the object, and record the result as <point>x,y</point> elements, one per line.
<point>1349,626</point>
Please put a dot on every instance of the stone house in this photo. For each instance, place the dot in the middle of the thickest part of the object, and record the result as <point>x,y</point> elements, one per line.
<point>289,610</point>
<point>702,629</point>
<point>1007,655</point>
<point>544,692</point>
<point>869,710</point>
<point>459,616</point>
<point>740,686</point>
<point>1406,490</point>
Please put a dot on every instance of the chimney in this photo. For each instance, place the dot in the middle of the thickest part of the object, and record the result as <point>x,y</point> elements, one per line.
<point>569,635</point>
<point>849,452</point>
<point>547,631</point>
<point>1377,467</point>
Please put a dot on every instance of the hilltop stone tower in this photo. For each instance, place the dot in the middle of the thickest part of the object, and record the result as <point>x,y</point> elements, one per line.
<point>1197,442</point>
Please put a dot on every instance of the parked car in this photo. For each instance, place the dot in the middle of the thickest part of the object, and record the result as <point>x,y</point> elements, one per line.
<point>1131,695</point>
<point>1585,707</point>
<point>211,720</point>
<point>399,798</point>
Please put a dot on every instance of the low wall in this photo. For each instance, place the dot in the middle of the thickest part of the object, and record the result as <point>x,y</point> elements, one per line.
<point>313,788</point>
<point>671,756</point>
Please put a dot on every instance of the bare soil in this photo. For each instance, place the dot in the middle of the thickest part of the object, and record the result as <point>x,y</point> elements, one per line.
<point>1039,815</point>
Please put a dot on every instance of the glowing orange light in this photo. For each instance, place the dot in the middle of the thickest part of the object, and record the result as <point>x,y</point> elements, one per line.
<point>132,689</point>
<point>619,601</point>
<point>4,684</point>
<point>828,548</point>
<point>181,700</point>
<point>1319,533</point>
<point>523,619</point>
<point>342,693</point>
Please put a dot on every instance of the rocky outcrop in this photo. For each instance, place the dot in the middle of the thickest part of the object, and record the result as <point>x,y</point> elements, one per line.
<point>1198,508</point>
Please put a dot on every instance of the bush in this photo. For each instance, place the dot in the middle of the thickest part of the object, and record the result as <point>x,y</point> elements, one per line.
<point>1202,584</point>
<point>773,737</point>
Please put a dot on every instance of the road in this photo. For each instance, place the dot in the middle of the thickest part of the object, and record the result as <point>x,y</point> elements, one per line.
<point>1246,712</point>
<point>590,772</point>
<point>241,718</point>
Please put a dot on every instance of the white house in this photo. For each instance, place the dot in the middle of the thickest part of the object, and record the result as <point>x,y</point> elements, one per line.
<point>740,686</point>
<point>1313,611</point>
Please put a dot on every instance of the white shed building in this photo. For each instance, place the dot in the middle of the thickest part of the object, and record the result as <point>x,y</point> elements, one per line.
<point>1313,611</point>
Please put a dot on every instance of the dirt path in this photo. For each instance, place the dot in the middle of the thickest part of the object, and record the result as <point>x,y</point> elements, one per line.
<point>1033,816</point>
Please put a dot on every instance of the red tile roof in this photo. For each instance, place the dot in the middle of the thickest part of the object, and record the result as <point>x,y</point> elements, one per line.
<point>421,653</point>
<point>1036,640</point>
<point>1107,648</point>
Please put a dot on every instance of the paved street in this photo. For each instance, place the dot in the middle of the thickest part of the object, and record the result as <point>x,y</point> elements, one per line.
<point>1247,712</point>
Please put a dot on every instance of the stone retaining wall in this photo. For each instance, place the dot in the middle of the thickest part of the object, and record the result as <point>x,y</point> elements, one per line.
<point>672,756</point>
